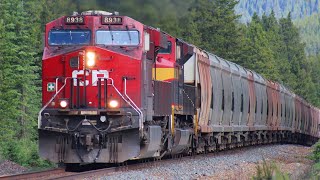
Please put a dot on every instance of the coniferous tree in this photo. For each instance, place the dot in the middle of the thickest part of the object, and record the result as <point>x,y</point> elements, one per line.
<point>19,97</point>
<point>273,31</point>
<point>216,23</point>
<point>280,7</point>
<point>309,28</point>
<point>257,53</point>
<point>314,67</point>
<point>294,52</point>
<point>9,96</point>
<point>189,31</point>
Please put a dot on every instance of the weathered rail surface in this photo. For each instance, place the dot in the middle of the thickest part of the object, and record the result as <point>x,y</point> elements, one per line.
<point>60,173</point>
<point>98,172</point>
<point>47,174</point>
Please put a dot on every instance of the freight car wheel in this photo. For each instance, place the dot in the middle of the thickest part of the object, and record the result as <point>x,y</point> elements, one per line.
<point>76,167</point>
<point>72,167</point>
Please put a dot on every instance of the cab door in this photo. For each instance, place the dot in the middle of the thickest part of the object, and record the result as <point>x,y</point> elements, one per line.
<point>164,67</point>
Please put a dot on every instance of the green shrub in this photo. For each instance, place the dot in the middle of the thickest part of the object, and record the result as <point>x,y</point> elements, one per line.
<point>269,171</point>
<point>23,152</point>
<point>316,152</point>
<point>315,174</point>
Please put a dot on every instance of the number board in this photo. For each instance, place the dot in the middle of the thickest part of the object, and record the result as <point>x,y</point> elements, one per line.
<point>74,20</point>
<point>111,20</point>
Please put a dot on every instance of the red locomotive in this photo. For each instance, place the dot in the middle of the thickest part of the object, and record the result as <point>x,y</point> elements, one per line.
<point>115,89</point>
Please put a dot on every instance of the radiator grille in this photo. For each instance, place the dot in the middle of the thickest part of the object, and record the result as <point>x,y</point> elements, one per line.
<point>162,98</point>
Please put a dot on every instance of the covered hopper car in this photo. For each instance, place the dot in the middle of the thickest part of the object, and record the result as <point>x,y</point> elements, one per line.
<point>114,89</point>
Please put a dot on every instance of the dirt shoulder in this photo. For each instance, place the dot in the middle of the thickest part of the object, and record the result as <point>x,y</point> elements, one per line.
<point>291,160</point>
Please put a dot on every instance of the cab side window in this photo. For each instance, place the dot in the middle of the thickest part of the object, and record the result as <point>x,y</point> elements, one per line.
<point>167,50</point>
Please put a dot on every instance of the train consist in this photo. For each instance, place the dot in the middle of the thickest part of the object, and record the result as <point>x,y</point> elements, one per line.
<point>114,89</point>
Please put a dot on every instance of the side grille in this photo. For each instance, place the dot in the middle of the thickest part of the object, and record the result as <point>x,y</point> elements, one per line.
<point>162,98</point>
<point>189,100</point>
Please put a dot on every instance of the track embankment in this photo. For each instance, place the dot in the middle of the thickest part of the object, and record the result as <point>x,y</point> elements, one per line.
<point>236,164</point>
<point>240,163</point>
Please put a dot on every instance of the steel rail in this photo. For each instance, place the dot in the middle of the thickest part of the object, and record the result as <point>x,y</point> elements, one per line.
<point>82,175</point>
<point>34,175</point>
<point>54,173</point>
<point>104,171</point>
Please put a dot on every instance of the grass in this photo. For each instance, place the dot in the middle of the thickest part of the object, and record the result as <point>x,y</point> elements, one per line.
<point>315,156</point>
<point>269,171</point>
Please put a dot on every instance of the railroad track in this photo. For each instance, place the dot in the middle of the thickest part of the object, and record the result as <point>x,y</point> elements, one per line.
<point>60,173</point>
<point>47,174</point>
<point>98,172</point>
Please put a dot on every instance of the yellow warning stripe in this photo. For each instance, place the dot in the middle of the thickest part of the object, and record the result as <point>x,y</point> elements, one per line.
<point>162,74</point>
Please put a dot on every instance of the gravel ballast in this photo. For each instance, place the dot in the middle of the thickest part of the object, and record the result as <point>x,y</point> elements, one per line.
<point>232,164</point>
<point>9,167</point>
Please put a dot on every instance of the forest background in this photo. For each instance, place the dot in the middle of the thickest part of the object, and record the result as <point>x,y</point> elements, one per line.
<point>259,35</point>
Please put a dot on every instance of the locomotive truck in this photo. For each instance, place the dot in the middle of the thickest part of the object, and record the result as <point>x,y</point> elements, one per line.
<point>114,89</point>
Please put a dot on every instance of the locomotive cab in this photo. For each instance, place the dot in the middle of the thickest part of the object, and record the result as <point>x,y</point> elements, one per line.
<point>92,86</point>
<point>87,48</point>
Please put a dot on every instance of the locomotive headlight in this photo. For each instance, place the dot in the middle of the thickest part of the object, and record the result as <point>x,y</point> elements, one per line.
<point>91,59</point>
<point>63,103</point>
<point>113,103</point>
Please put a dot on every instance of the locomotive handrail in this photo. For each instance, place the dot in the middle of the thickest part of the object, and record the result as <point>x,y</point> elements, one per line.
<point>129,101</point>
<point>54,96</point>
<point>141,113</point>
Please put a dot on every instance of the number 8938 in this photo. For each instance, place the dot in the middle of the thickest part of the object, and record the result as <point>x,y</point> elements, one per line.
<point>74,20</point>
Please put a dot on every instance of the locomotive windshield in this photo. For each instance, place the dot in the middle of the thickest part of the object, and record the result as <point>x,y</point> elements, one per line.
<point>106,37</point>
<point>69,37</point>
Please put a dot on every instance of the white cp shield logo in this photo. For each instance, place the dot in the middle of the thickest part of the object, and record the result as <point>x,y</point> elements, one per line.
<point>94,79</point>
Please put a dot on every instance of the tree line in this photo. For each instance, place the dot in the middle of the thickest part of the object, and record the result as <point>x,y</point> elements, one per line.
<point>310,28</point>
<point>305,15</point>
<point>298,9</point>
<point>266,45</point>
